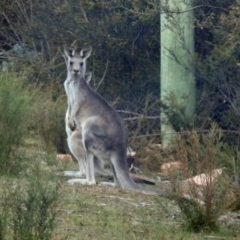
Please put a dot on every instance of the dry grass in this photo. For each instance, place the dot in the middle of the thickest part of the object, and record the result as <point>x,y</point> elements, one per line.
<point>94,212</point>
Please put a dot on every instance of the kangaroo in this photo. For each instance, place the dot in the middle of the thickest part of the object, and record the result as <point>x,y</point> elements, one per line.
<point>77,65</point>
<point>74,138</point>
<point>103,134</point>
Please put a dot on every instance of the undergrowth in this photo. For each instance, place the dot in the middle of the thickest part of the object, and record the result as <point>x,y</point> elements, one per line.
<point>15,107</point>
<point>204,199</point>
<point>28,210</point>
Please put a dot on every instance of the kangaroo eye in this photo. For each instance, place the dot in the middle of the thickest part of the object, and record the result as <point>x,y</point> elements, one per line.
<point>81,64</point>
<point>71,63</point>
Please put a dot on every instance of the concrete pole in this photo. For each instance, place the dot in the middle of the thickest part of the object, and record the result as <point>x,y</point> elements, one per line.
<point>177,48</point>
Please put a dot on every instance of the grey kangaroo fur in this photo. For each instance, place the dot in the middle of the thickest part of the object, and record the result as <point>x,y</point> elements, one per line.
<point>103,134</point>
<point>74,138</point>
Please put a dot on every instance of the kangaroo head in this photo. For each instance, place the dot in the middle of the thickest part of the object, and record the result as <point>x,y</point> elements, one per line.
<point>76,63</point>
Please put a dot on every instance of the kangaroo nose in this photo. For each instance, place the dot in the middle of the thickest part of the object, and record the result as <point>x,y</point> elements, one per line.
<point>76,70</point>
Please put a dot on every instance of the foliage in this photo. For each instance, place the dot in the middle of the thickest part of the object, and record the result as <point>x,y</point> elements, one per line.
<point>49,117</point>
<point>120,39</point>
<point>175,113</point>
<point>202,204</point>
<point>219,75</point>
<point>207,16</point>
<point>29,211</point>
<point>125,39</point>
<point>15,107</point>
<point>25,109</point>
<point>125,61</point>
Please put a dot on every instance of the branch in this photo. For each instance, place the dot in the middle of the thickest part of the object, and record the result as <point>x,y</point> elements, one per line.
<point>134,113</point>
<point>139,116</point>
<point>133,43</point>
<point>11,26</point>
<point>168,11</point>
<point>190,9</point>
<point>230,101</point>
<point>83,12</point>
<point>147,135</point>
<point>104,74</point>
<point>23,10</point>
<point>142,116</point>
<point>182,132</point>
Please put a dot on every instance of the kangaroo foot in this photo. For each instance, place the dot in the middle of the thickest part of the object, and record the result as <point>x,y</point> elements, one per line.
<point>74,174</point>
<point>81,181</point>
<point>108,184</point>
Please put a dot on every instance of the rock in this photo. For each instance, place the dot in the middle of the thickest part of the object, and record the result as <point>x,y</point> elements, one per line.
<point>65,157</point>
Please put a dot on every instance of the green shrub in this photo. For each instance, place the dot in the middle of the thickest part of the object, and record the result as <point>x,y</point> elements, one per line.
<point>29,210</point>
<point>50,122</point>
<point>15,107</point>
<point>3,225</point>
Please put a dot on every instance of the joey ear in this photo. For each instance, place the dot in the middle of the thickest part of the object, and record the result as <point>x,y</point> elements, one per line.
<point>86,52</point>
<point>132,154</point>
<point>69,52</point>
<point>88,76</point>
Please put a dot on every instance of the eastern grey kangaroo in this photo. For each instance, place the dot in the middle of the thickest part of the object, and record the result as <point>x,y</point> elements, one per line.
<point>103,133</point>
<point>77,65</point>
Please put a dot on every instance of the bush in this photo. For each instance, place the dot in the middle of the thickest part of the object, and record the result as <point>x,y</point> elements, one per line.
<point>29,211</point>
<point>204,202</point>
<point>50,122</point>
<point>15,107</point>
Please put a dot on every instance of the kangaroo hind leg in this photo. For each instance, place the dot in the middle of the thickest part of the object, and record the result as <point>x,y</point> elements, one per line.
<point>90,175</point>
<point>75,145</point>
<point>99,167</point>
<point>89,160</point>
<point>115,182</point>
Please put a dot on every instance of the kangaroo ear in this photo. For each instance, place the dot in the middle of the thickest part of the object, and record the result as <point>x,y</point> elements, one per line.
<point>88,76</point>
<point>69,52</point>
<point>86,52</point>
<point>130,152</point>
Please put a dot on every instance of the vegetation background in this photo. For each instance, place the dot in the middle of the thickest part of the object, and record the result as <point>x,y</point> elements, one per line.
<point>125,61</point>
<point>125,36</point>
